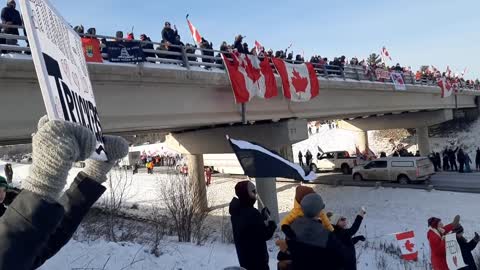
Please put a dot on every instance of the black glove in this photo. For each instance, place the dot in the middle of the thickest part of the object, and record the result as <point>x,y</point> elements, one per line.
<point>266,213</point>
<point>358,238</point>
<point>477,237</point>
<point>272,224</point>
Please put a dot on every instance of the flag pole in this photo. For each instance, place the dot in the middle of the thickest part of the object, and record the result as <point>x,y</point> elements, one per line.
<point>244,113</point>
<point>191,34</point>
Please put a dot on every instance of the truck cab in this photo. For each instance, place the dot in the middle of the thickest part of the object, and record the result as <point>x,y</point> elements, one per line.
<point>333,161</point>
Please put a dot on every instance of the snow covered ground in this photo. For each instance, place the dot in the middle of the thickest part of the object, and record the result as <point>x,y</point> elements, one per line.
<point>388,211</point>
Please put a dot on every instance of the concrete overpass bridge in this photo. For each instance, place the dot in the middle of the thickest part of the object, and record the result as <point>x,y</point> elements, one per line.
<point>162,98</point>
<point>197,108</point>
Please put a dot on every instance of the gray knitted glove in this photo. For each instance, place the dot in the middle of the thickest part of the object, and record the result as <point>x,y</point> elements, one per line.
<point>56,145</point>
<point>116,148</point>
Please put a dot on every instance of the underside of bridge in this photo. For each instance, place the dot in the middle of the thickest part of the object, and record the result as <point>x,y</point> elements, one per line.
<point>418,120</point>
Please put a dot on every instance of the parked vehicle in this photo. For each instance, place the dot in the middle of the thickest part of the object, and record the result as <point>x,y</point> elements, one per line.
<point>332,161</point>
<point>403,170</point>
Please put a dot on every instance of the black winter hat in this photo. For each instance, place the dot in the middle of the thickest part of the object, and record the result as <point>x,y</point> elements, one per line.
<point>245,191</point>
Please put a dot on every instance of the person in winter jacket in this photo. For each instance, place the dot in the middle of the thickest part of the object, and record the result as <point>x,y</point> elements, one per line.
<point>296,212</point>
<point>451,157</point>
<point>168,34</point>
<point>312,246</point>
<point>308,158</point>
<point>3,195</point>
<point>468,161</point>
<point>40,215</point>
<point>147,46</point>
<point>9,172</point>
<point>466,248</point>
<point>461,160</point>
<point>436,239</point>
<point>300,158</point>
<point>237,45</point>
<point>250,229</point>
<point>346,235</point>
<point>10,16</point>
<point>446,164</point>
<point>477,160</point>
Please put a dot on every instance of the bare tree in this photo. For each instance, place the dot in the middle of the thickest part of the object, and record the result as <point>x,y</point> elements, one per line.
<point>187,213</point>
<point>118,184</point>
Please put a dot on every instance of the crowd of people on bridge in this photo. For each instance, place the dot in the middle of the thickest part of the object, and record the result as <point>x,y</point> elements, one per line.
<point>171,42</point>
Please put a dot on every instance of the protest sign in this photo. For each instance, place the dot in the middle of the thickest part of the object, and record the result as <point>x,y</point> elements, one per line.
<point>61,69</point>
<point>382,74</point>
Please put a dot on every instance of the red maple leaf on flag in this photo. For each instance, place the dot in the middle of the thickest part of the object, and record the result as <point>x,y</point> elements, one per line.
<point>300,83</point>
<point>409,246</point>
<point>253,73</point>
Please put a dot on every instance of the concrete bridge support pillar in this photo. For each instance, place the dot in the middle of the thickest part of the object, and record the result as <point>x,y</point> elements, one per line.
<point>423,141</point>
<point>286,152</point>
<point>196,177</point>
<point>362,141</point>
<point>267,191</point>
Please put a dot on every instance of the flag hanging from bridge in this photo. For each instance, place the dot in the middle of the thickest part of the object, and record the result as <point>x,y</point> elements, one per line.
<point>445,86</point>
<point>250,77</point>
<point>91,50</point>
<point>260,162</point>
<point>299,81</point>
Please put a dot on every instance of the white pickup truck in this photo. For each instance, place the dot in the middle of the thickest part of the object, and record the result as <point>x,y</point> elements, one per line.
<point>334,161</point>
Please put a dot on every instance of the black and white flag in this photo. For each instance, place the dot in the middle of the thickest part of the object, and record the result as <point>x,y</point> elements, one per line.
<point>259,162</point>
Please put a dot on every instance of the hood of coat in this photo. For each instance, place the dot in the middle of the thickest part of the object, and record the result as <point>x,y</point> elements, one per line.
<point>310,231</point>
<point>236,206</point>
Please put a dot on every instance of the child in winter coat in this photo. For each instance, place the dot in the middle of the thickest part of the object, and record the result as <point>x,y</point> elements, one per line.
<point>467,247</point>
<point>345,235</point>
<point>436,239</point>
<point>312,247</point>
<point>296,212</point>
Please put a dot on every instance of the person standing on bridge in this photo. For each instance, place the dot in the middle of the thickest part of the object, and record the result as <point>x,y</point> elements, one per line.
<point>300,158</point>
<point>11,16</point>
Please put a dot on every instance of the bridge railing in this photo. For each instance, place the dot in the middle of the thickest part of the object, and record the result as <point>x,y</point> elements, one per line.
<point>193,56</point>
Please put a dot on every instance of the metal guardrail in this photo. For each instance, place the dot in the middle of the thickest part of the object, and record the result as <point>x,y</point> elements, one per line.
<point>187,57</point>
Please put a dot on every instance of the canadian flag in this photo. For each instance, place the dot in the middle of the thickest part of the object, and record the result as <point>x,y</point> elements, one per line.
<point>250,77</point>
<point>299,81</point>
<point>385,53</point>
<point>446,86</point>
<point>408,246</point>
<point>195,34</point>
<point>258,46</point>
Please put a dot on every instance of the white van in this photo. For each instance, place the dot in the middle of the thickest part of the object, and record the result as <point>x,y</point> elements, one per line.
<point>403,170</point>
